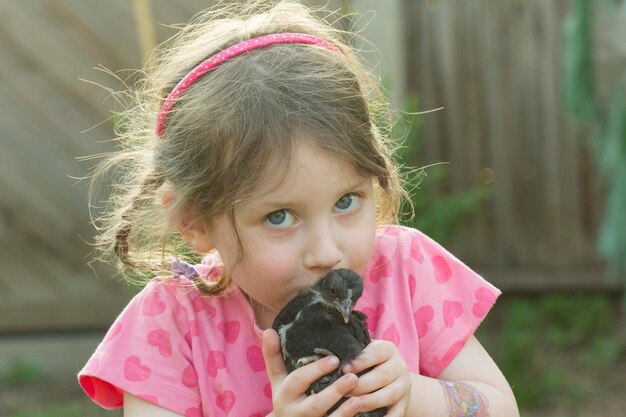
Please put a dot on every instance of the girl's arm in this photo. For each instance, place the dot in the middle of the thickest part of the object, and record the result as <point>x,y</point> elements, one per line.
<point>136,407</point>
<point>471,381</point>
<point>472,374</point>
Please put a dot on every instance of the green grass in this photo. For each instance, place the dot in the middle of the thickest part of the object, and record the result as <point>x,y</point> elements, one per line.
<point>551,347</point>
<point>19,372</point>
<point>56,411</point>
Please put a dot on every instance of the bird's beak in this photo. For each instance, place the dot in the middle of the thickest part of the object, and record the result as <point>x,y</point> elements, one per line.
<point>345,307</point>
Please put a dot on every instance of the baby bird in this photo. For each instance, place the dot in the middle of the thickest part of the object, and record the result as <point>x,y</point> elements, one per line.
<point>321,321</point>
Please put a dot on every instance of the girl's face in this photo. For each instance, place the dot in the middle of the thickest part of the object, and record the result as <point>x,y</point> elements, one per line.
<point>320,216</point>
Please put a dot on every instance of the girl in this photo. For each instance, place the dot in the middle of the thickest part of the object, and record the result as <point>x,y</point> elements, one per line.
<point>257,142</point>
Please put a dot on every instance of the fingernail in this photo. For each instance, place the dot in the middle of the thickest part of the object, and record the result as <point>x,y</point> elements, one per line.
<point>351,379</point>
<point>355,404</point>
<point>333,361</point>
<point>347,369</point>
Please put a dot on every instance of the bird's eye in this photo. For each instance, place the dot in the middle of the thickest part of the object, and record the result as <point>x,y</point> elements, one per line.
<point>333,291</point>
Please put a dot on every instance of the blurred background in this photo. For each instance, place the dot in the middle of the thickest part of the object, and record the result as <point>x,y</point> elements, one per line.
<point>532,193</point>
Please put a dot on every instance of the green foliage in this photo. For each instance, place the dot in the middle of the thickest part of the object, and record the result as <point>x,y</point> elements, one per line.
<point>57,411</point>
<point>578,88</point>
<point>535,334</point>
<point>611,151</point>
<point>436,213</point>
<point>581,102</point>
<point>19,372</point>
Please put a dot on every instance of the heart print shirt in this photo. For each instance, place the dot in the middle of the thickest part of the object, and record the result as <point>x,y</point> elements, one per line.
<point>201,355</point>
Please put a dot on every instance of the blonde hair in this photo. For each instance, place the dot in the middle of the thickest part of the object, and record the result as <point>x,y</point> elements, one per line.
<point>225,130</point>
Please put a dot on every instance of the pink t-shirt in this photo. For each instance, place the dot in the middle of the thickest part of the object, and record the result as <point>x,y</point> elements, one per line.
<point>201,356</point>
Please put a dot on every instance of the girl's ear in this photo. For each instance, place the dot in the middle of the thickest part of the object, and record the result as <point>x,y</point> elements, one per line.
<point>197,235</point>
<point>194,233</point>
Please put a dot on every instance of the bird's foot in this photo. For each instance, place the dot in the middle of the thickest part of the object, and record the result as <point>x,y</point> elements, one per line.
<point>321,352</point>
<point>307,360</point>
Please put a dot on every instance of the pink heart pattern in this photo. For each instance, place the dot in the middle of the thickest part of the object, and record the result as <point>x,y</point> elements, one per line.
<point>442,269</point>
<point>152,305</point>
<point>211,311</point>
<point>416,252</point>
<point>193,412</point>
<point>134,370</point>
<point>452,310</point>
<point>373,316</point>
<point>380,270</point>
<point>440,363</point>
<point>114,331</point>
<point>254,355</point>
<point>215,362</point>
<point>230,330</point>
<point>189,377</point>
<point>150,398</point>
<point>412,285</point>
<point>197,304</point>
<point>484,300</point>
<point>391,334</point>
<point>161,339</point>
<point>226,401</point>
<point>422,317</point>
<point>193,328</point>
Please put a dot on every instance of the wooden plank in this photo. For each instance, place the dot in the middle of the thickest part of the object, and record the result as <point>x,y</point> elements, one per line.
<point>22,287</point>
<point>51,316</point>
<point>43,292</point>
<point>29,29</point>
<point>106,35</point>
<point>548,279</point>
<point>38,175</point>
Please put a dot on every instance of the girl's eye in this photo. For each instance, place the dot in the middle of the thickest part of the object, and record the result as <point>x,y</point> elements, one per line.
<point>279,219</point>
<point>348,203</point>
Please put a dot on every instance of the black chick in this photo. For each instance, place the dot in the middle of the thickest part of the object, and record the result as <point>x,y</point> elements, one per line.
<point>321,321</point>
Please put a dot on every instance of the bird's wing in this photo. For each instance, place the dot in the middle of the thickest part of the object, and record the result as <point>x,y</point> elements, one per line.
<point>358,327</point>
<point>289,312</point>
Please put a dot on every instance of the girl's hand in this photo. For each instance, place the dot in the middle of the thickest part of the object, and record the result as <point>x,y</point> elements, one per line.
<point>289,390</point>
<point>387,384</point>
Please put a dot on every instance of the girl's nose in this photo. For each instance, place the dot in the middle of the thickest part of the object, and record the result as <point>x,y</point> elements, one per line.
<point>323,251</point>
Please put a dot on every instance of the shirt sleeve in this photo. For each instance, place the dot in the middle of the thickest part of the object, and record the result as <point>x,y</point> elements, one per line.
<point>450,301</point>
<point>146,352</point>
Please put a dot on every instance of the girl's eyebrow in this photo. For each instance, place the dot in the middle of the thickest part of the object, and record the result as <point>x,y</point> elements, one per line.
<point>271,204</point>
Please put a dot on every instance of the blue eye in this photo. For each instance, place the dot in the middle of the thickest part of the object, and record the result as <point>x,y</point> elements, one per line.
<point>279,219</point>
<point>348,203</point>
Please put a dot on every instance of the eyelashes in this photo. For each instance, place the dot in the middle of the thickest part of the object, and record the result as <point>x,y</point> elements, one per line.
<point>284,218</point>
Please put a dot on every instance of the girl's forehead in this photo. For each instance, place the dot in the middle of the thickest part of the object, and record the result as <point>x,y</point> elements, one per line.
<point>305,166</point>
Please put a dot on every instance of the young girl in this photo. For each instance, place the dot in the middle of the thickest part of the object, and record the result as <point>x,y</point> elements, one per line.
<point>257,140</point>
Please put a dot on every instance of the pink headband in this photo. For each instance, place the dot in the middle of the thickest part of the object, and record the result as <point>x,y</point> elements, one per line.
<point>227,54</point>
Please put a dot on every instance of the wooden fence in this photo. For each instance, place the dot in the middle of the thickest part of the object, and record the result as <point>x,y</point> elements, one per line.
<point>495,66</point>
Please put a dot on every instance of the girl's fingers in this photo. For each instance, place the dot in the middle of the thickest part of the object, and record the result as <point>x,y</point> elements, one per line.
<point>390,394</point>
<point>297,382</point>
<point>291,388</point>
<point>396,410</point>
<point>273,357</point>
<point>324,400</point>
<point>377,378</point>
<point>376,352</point>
